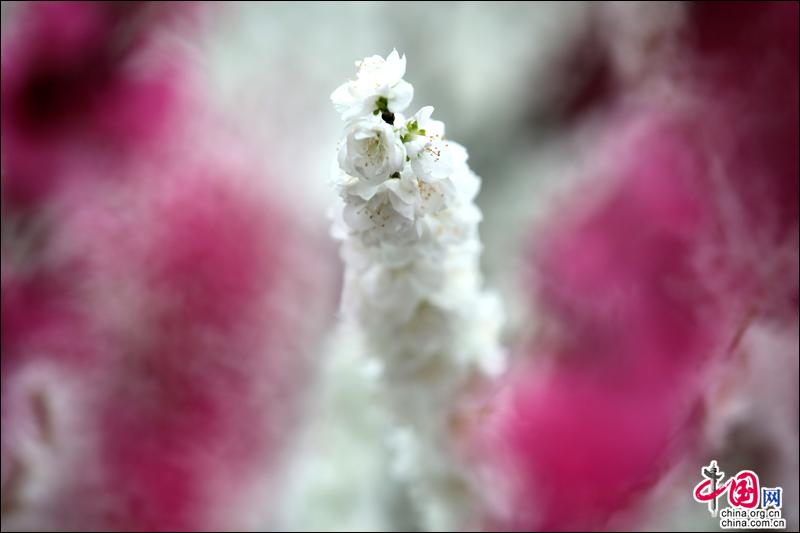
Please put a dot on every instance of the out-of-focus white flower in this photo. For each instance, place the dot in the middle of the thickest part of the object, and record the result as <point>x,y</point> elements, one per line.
<point>372,150</point>
<point>379,87</point>
<point>375,220</point>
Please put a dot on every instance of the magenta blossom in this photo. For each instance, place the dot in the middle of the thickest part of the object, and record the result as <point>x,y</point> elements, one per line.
<point>75,86</point>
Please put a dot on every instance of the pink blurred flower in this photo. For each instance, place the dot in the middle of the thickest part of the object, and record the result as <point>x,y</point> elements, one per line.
<point>583,434</point>
<point>211,388</point>
<point>693,237</point>
<point>192,310</point>
<point>154,325</point>
<point>72,90</point>
<point>745,66</point>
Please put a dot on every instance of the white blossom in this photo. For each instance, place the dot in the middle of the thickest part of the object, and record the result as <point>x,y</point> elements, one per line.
<point>378,86</point>
<point>371,150</point>
<point>408,223</point>
<point>420,130</point>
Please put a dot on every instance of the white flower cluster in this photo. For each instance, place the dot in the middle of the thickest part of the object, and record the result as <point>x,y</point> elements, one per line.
<point>408,224</point>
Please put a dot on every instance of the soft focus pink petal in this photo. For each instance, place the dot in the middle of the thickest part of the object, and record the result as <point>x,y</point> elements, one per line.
<point>72,88</point>
<point>694,236</point>
<point>157,305</point>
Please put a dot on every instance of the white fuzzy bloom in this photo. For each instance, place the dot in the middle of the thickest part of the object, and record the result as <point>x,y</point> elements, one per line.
<point>377,79</point>
<point>371,150</point>
<point>408,223</point>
